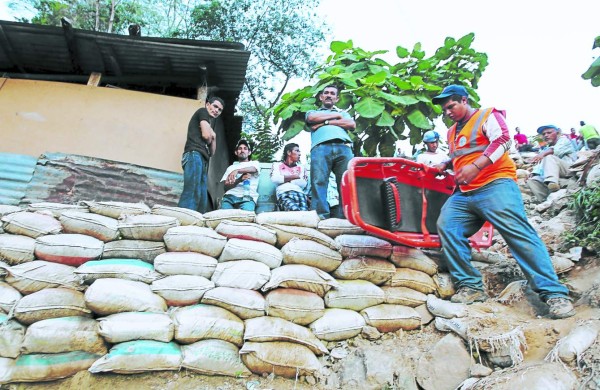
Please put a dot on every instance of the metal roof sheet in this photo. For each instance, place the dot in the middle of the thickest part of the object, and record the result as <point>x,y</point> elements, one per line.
<point>16,171</point>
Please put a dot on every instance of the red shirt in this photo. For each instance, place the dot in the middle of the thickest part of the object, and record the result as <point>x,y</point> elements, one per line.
<point>521,139</point>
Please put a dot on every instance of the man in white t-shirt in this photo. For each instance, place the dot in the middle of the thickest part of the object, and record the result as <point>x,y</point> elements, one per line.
<point>238,195</point>
<point>432,156</point>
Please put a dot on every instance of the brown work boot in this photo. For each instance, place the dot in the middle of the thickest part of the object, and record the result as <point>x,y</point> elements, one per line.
<point>468,295</point>
<point>560,308</point>
<point>553,187</point>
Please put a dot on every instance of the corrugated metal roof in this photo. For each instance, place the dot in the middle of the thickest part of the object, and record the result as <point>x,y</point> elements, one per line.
<point>15,174</point>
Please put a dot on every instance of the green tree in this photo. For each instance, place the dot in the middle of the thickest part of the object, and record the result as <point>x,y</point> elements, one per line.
<point>593,73</point>
<point>388,101</point>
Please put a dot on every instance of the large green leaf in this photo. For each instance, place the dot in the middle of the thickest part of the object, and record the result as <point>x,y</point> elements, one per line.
<point>370,145</point>
<point>594,69</point>
<point>466,41</point>
<point>387,146</point>
<point>339,46</point>
<point>293,130</point>
<point>402,84</point>
<point>376,78</point>
<point>398,99</point>
<point>385,120</point>
<point>369,107</point>
<point>419,120</point>
<point>402,52</point>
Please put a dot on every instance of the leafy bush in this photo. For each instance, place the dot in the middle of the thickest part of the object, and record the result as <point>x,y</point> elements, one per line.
<point>586,204</point>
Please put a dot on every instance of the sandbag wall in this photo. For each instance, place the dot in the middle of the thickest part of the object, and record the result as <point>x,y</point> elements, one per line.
<point>119,287</point>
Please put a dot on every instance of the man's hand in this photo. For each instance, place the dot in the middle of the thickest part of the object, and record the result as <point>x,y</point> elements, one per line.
<point>536,159</point>
<point>439,168</point>
<point>466,174</point>
<point>231,178</point>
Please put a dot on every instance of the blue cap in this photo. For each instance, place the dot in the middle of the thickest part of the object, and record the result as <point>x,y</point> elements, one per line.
<point>431,136</point>
<point>542,128</point>
<point>449,91</point>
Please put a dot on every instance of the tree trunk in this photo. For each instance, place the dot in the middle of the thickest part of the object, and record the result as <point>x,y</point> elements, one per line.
<point>97,24</point>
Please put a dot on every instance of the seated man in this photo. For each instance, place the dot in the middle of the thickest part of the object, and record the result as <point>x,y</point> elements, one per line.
<point>432,156</point>
<point>241,180</point>
<point>554,162</point>
<point>291,179</point>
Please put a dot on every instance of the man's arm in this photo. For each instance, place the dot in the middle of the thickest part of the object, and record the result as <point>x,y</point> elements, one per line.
<point>316,119</point>
<point>209,136</point>
<point>245,173</point>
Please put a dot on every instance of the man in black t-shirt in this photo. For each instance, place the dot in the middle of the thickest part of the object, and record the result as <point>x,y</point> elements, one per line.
<point>200,146</point>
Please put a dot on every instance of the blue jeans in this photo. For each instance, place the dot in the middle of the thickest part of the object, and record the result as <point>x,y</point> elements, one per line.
<point>195,182</point>
<point>324,159</point>
<point>499,202</point>
<point>235,202</point>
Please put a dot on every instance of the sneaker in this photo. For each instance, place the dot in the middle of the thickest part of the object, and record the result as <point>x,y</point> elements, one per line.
<point>560,308</point>
<point>553,187</point>
<point>468,295</point>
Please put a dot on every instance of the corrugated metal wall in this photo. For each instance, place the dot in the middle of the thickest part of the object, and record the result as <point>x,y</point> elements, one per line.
<point>16,171</point>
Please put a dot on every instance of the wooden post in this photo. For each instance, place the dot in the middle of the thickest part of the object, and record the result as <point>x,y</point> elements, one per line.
<point>94,79</point>
<point>202,94</point>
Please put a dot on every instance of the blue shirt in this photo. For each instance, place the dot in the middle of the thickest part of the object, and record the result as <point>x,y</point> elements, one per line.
<point>329,132</point>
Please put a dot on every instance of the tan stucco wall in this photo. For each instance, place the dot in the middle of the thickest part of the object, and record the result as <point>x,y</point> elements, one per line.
<point>114,124</point>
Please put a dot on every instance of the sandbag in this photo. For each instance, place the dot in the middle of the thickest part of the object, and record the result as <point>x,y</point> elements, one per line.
<point>246,231</point>
<point>9,296</point>
<point>561,264</point>
<point>263,329</point>
<point>50,367</point>
<point>532,376</point>
<point>203,322</point>
<point>390,318</point>
<point>372,269</point>
<point>129,326</point>
<point>214,357</point>
<point>301,277</point>
<point>66,334</point>
<point>311,253</point>
<point>213,218</point>
<point>69,249</point>
<point>185,263</point>
<point>405,257</point>
<point>181,290</point>
<point>185,216</point>
<point>444,285</point>
<point>573,345</point>
<point>417,280</point>
<point>354,295</point>
<point>445,309</point>
<point>338,324</point>
<point>281,358</point>
<point>285,233</point>
<point>403,296</point>
<point>110,296</point>
<point>6,209</point>
<point>133,249</point>
<point>237,249</point>
<point>30,224</point>
<point>241,302</point>
<point>98,226</point>
<point>195,239</point>
<point>128,269</point>
<point>56,209</point>
<point>50,303</point>
<point>309,219</point>
<point>360,245</point>
<point>116,209</point>
<point>38,275</point>
<point>147,227</point>
<point>248,274</point>
<point>12,334</point>
<point>297,306</point>
<point>16,249</point>
<point>334,227</point>
<point>139,356</point>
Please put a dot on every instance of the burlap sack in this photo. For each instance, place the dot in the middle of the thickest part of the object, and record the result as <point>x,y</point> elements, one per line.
<point>146,227</point>
<point>69,249</point>
<point>66,334</point>
<point>360,245</point>
<point>12,334</point>
<point>405,257</point>
<point>195,239</point>
<point>116,209</point>
<point>133,249</point>
<point>129,326</point>
<point>9,296</point>
<point>241,302</point>
<point>56,209</point>
<point>263,329</point>
<point>213,218</point>
<point>248,274</point>
<point>128,269</point>
<point>445,309</point>
<point>181,290</point>
<point>281,358</point>
<point>111,296</point>
<point>246,231</point>
<point>309,219</point>
<point>51,366</point>
<point>334,227</point>
<point>31,225</point>
<point>286,233</point>
<point>301,277</point>
<point>16,249</point>
<point>38,275</point>
<point>185,263</point>
<point>95,225</point>
<point>338,324</point>
<point>390,318</point>
<point>139,356</point>
<point>354,295</point>
<point>417,280</point>
<point>50,303</point>
<point>237,249</point>
<point>297,306</point>
<point>311,253</point>
<point>403,296</point>
<point>203,322</point>
<point>214,357</point>
<point>185,216</point>
<point>372,269</point>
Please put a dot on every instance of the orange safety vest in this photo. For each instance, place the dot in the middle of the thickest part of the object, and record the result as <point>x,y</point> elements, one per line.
<point>470,143</point>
